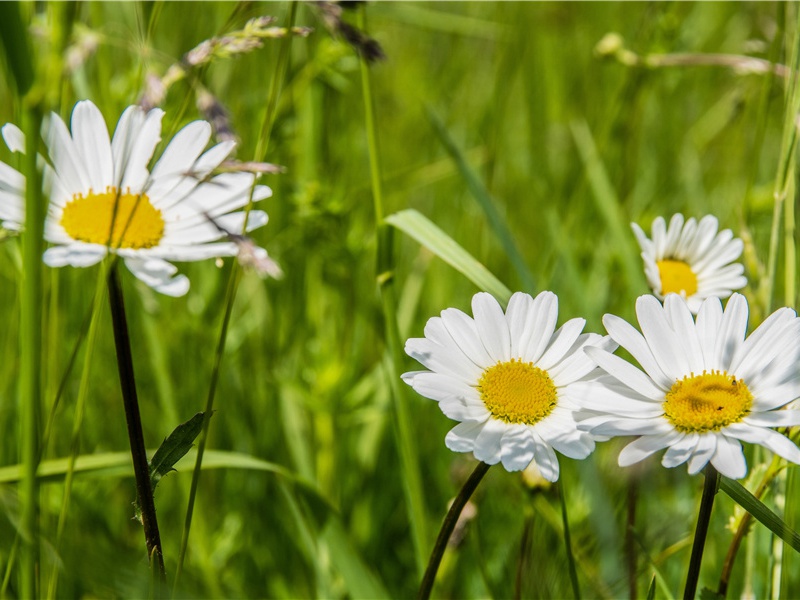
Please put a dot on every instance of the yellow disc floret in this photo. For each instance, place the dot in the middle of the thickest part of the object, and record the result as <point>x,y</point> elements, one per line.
<point>137,224</point>
<point>517,392</point>
<point>707,402</point>
<point>677,277</point>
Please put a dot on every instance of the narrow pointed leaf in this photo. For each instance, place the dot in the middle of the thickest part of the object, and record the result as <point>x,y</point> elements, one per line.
<point>423,230</point>
<point>485,201</point>
<point>759,510</point>
<point>175,447</point>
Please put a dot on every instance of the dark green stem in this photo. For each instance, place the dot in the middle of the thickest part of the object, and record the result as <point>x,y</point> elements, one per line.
<point>703,518</point>
<point>448,525</point>
<point>141,468</point>
<point>573,573</point>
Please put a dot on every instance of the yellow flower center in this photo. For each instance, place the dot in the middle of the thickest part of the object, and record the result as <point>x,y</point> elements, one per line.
<point>707,402</point>
<point>517,392</point>
<point>137,224</point>
<point>676,277</point>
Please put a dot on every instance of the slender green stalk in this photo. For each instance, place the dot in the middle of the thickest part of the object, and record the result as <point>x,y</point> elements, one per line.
<point>141,468</point>
<point>31,356</point>
<point>785,172</point>
<point>83,393</point>
<point>233,283</point>
<point>703,519</point>
<point>409,463</point>
<point>573,573</point>
<point>446,530</point>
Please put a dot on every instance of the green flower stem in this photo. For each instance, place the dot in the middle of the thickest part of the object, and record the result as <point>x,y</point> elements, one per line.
<point>446,531</point>
<point>83,393</point>
<point>703,518</point>
<point>233,283</point>
<point>30,389</point>
<point>573,573</point>
<point>141,468</point>
<point>409,462</point>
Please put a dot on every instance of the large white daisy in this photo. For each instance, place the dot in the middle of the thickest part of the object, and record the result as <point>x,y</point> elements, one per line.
<point>158,215</point>
<point>705,387</point>
<point>691,259</point>
<point>508,379</point>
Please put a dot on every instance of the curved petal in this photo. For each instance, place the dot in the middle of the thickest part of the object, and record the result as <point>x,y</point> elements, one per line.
<point>159,275</point>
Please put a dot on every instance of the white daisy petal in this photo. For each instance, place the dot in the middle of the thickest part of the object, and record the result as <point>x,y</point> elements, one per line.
<point>562,341</point>
<point>545,459</point>
<point>626,373</point>
<point>492,326</point>
<point>643,447</point>
<point>728,458</point>
<point>629,338</point>
<point>706,447</point>
<point>74,255</point>
<point>539,327</point>
<point>679,452</point>
<point>159,275</point>
<point>463,331</point>
<point>93,145</point>
<point>517,449</point>
<point>461,438</point>
<point>662,340</point>
<point>13,137</point>
<point>772,440</point>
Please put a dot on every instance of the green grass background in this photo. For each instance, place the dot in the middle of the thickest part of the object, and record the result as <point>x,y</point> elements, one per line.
<point>544,123</point>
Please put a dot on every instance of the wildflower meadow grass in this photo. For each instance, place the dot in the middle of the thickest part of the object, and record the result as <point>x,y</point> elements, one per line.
<point>344,300</point>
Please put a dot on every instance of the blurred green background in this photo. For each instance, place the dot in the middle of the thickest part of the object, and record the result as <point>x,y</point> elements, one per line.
<point>571,147</point>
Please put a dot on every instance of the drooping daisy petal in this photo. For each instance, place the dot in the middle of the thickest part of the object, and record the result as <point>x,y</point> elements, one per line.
<point>512,409</point>
<point>741,391</point>
<point>103,197</point>
<point>691,259</point>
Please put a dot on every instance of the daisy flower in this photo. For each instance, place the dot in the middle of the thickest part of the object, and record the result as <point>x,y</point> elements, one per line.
<point>507,378</point>
<point>103,198</point>
<point>691,259</point>
<point>705,386</point>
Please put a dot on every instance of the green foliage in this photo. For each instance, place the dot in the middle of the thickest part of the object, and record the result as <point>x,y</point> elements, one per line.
<point>542,154</point>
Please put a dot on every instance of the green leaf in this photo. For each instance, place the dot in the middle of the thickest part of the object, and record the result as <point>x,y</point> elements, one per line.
<point>14,38</point>
<point>709,594</point>
<point>174,448</point>
<point>361,582</point>
<point>759,510</point>
<point>651,591</point>
<point>423,230</point>
<point>610,207</point>
<point>485,201</point>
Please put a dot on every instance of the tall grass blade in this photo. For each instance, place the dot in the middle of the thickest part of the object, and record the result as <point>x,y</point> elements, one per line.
<point>496,221</point>
<point>406,446</point>
<point>739,494</point>
<point>423,230</point>
<point>609,207</point>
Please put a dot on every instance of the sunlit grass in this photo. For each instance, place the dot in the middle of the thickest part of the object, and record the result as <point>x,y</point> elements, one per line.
<point>565,148</point>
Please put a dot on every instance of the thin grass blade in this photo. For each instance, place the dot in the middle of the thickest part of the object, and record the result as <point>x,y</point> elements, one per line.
<point>423,230</point>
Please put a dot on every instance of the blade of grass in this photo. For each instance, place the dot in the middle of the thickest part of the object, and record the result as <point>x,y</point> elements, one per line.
<point>739,494</point>
<point>609,207</point>
<point>233,282</point>
<point>485,201</point>
<point>409,461</point>
<point>423,230</point>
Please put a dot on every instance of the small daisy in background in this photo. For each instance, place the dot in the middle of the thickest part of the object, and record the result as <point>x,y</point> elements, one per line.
<point>691,259</point>
<point>508,379</point>
<point>705,386</point>
<point>96,184</point>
